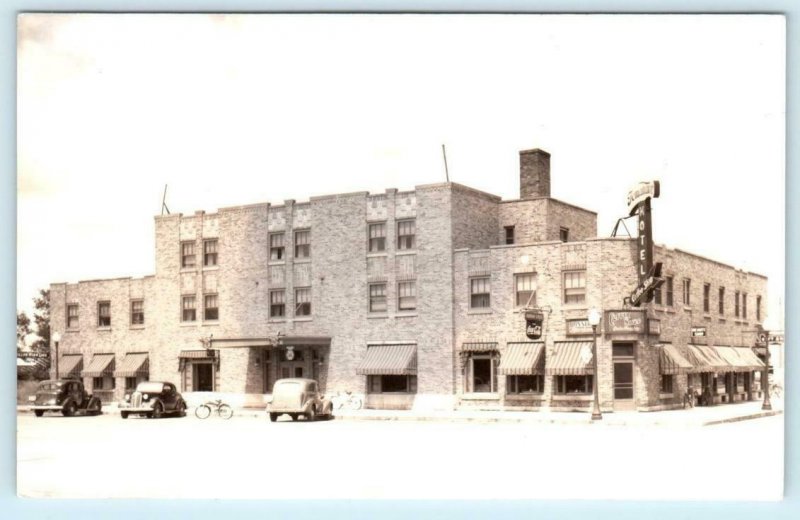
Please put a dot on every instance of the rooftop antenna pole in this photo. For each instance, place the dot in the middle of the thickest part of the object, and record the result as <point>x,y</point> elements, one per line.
<point>446,172</point>
<point>164,201</point>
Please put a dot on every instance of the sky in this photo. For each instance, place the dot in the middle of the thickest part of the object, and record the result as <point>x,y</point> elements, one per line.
<point>238,109</point>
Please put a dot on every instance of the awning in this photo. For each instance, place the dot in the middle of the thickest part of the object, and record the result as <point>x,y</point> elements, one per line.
<point>672,362</point>
<point>569,359</point>
<point>737,362</point>
<point>70,365</point>
<point>101,365</point>
<point>522,359</point>
<point>389,360</point>
<point>487,346</point>
<point>708,359</point>
<point>750,360</point>
<point>134,365</point>
<point>198,354</point>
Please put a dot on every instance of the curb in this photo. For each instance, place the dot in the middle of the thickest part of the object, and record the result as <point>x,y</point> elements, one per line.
<point>765,413</point>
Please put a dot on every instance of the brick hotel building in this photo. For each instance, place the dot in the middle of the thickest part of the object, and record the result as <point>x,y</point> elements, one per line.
<point>414,299</point>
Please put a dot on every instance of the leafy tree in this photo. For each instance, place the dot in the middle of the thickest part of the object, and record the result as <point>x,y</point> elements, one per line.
<point>41,316</point>
<point>23,329</point>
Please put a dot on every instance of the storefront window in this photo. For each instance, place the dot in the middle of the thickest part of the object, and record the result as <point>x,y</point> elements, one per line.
<point>666,383</point>
<point>525,384</point>
<point>385,384</point>
<point>573,384</point>
<point>482,372</point>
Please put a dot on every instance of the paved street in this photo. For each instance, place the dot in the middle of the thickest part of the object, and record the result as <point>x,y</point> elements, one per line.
<point>248,457</point>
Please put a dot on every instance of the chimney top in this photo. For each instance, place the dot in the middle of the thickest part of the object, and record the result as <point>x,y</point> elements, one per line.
<point>534,173</point>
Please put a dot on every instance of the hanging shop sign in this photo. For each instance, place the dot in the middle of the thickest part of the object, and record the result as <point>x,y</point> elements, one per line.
<point>626,322</point>
<point>649,274</point>
<point>534,320</point>
<point>579,327</point>
<point>698,332</point>
<point>654,327</point>
<point>289,353</point>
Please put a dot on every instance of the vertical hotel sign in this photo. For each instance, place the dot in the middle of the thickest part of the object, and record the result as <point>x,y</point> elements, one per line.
<point>649,273</point>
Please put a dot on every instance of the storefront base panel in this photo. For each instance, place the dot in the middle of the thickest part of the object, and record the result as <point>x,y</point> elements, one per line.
<point>390,401</point>
<point>236,400</point>
<point>434,403</point>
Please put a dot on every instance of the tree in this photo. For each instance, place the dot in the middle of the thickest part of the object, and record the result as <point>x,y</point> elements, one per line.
<point>41,316</point>
<point>23,329</point>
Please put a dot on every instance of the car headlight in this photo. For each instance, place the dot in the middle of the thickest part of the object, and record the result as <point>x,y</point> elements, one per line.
<point>145,397</point>
<point>127,397</point>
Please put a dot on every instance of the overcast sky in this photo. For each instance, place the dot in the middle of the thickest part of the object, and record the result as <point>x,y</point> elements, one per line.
<point>240,109</point>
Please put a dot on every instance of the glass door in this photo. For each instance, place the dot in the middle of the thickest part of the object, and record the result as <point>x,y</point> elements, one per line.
<point>622,354</point>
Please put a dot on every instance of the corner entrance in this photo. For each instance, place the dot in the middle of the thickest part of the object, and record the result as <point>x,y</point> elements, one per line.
<point>623,359</point>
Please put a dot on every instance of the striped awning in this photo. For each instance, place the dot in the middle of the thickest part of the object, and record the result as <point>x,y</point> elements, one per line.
<point>134,365</point>
<point>708,359</point>
<point>101,365</point>
<point>672,362</point>
<point>198,354</point>
<point>750,360</point>
<point>395,360</point>
<point>569,359</point>
<point>729,354</point>
<point>70,365</point>
<point>522,359</point>
<point>486,346</point>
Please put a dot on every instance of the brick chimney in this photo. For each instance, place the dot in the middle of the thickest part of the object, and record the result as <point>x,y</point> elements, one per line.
<point>534,174</point>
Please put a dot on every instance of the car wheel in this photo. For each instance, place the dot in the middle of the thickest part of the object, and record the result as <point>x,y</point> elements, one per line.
<point>38,413</point>
<point>182,409</point>
<point>124,415</point>
<point>70,409</point>
<point>293,416</point>
<point>158,411</point>
<point>311,415</point>
<point>273,417</point>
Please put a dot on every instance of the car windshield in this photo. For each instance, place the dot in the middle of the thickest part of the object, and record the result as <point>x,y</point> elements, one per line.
<point>150,388</point>
<point>49,386</point>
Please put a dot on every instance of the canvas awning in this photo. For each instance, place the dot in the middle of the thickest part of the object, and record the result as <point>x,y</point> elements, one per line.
<point>70,365</point>
<point>750,361</point>
<point>197,355</point>
<point>522,359</point>
<point>486,346</point>
<point>389,360</point>
<point>707,359</point>
<point>672,362</point>
<point>101,365</point>
<point>569,359</point>
<point>735,360</point>
<point>134,365</point>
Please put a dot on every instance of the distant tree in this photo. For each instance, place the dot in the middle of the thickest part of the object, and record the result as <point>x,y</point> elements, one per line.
<point>23,329</point>
<point>41,316</point>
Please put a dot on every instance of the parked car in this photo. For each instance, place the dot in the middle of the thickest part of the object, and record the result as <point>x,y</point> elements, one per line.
<point>295,397</point>
<point>153,399</point>
<point>67,396</point>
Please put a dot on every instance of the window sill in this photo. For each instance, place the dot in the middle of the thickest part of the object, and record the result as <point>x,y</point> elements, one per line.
<point>481,396</point>
<point>377,316</point>
<point>188,269</point>
<point>401,252</point>
<point>189,324</point>
<point>377,254</point>
<point>406,314</point>
<point>276,262</point>
<point>72,330</point>
<point>210,323</point>
<point>304,260</point>
<point>669,310</point>
<point>722,320</point>
<point>211,268</point>
<point>103,329</point>
<point>137,327</point>
<point>524,396</point>
<point>479,311</point>
<point>304,318</point>
<point>664,395</point>
<point>687,308</point>
<point>573,397</point>
<point>572,307</point>
<point>276,320</point>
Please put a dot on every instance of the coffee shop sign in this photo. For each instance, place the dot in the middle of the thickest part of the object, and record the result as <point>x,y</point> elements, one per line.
<point>625,322</point>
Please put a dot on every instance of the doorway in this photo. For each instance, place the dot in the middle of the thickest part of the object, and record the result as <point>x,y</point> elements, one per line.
<point>623,359</point>
<point>203,377</point>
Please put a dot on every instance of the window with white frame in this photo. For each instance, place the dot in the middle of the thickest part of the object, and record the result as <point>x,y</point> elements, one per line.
<point>276,246</point>
<point>480,292</point>
<point>302,301</point>
<point>210,252</point>
<point>187,254</point>
<point>137,312</point>
<point>189,310</point>
<point>277,303</point>
<point>377,237</point>
<point>407,296</point>
<point>525,289</point>
<point>406,234</point>
<point>302,243</point>
<point>104,314</point>
<point>377,297</point>
<point>210,307</point>
<point>574,287</point>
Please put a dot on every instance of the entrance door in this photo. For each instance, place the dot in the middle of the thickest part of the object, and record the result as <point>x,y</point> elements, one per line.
<point>203,377</point>
<point>292,369</point>
<point>622,354</point>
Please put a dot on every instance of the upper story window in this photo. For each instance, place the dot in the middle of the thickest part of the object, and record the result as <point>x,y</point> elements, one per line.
<point>302,301</point>
<point>377,297</point>
<point>722,300</point>
<point>406,234</point>
<point>377,237</point>
<point>210,252</point>
<point>72,316</point>
<point>563,234</point>
<point>407,296</point>
<point>657,295</point>
<point>302,244</point>
<point>509,234</point>
<point>187,254</point>
<point>736,303</point>
<point>574,286</point>
<point>210,307</point>
<point>687,291</point>
<point>669,293</point>
<point>525,289</point>
<point>480,293</point>
<point>189,308</point>
<point>103,314</point>
<point>744,305</point>
<point>758,308</point>
<point>276,247</point>
<point>137,312</point>
<point>277,303</point>
<point>706,297</point>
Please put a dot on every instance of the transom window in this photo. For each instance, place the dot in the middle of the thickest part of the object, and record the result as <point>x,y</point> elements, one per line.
<point>480,292</point>
<point>210,252</point>
<point>188,306</point>
<point>137,312</point>
<point>103,314</point>
<point>276,246</point>
<point>210,307</point>
<point>377,237</point>
<point>302,301</point>
<point>72,316</point>
<point>302,244</point>
<point>525,289</point>
<point>277,304</point>
<point>406,234</point>
<point>574,287</point>
<point>407,296</point>
<point>377,297</point>
<point>187,254</point>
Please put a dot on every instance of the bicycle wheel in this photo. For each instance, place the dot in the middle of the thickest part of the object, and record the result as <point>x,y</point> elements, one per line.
<point>202,411</point>
<point>225,411</point>
<point>356,403</point>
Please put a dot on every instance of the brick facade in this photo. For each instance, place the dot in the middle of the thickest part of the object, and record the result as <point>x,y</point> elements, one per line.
<point>459,232</point>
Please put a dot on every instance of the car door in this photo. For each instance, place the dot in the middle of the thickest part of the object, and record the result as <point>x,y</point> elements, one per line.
<point>169,397</point>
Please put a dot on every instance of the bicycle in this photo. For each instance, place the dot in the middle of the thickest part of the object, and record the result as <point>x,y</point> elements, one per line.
<point>775,389</point>
<point>689,399</point>
<point>204,410</point>
<point>348,400</point>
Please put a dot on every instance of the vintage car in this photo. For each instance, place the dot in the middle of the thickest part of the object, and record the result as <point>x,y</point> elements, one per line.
<point>153,399</point>
<point>295,397</point>
<point>67,396</point>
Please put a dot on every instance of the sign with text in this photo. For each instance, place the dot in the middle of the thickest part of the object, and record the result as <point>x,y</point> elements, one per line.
<point>626,322</point>
<point>649,274</point>
<point>579,327</point>
<point>698,332</point>
<point>654,327</point>
<point>534,320</point>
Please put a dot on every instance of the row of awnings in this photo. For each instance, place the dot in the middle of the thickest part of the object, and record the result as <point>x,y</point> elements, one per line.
<point>102,365</point>
<point>704,358</point>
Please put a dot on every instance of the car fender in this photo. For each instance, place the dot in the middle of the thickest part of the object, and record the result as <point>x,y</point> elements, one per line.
<point>327,407</point>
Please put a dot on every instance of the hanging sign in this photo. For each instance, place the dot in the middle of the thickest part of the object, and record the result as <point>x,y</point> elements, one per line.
<point>578,327</point>
<point>625,322</point>
<point>586,354</point>
<point>534,320</point>
<point>698,332</point>
<point>654,327</point>
<point>649,274</point>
